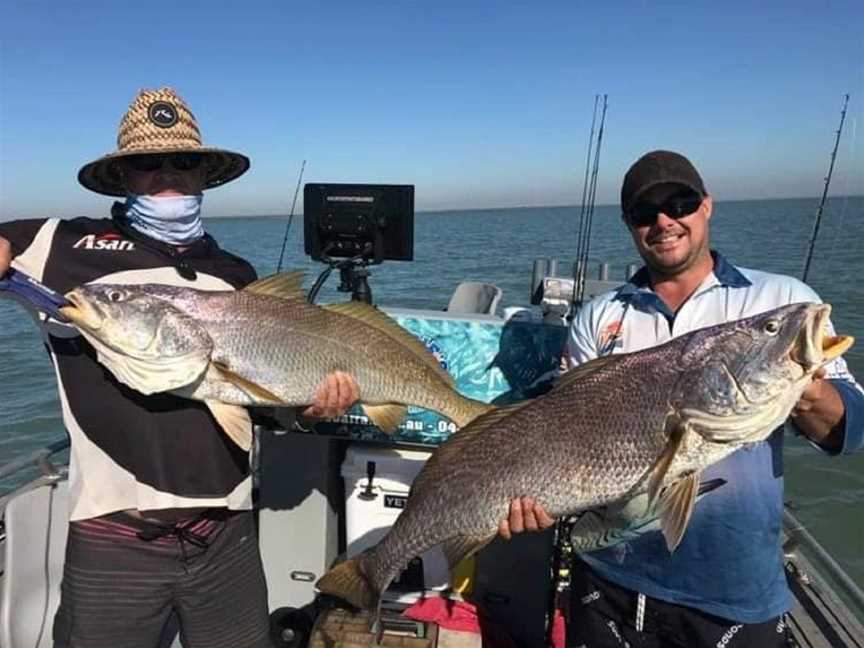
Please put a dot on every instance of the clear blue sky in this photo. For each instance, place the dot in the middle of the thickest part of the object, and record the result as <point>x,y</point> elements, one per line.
<point>476,103</point>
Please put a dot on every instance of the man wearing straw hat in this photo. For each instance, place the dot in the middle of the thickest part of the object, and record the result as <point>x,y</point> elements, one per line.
<point>160,497</point>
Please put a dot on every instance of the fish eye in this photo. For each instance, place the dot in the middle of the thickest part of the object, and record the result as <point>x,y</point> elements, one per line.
<point>115,296</point>
<point>772,327</point>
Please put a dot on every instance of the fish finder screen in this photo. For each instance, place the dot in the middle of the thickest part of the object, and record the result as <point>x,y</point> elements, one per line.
<point>372,222</point>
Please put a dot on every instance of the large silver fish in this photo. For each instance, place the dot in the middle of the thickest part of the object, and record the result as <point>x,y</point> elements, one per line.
<point>608,432</point>
<point>263,345</point>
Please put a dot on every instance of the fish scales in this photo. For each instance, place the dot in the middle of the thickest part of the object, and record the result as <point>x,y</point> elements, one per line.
<point>580,426</point>
<point>290,349</point>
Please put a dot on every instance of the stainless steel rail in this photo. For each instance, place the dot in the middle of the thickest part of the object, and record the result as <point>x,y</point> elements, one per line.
<point>36,458</point>
<point>816,553</point>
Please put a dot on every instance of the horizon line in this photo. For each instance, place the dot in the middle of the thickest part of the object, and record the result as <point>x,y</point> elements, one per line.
<point>557,206</point>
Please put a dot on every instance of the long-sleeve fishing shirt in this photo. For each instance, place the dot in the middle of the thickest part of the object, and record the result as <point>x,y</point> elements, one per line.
<point>729,562</point>
<point>130,451</point>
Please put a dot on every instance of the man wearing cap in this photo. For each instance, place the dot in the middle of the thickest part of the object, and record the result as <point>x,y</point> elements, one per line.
<point>160,496</point>
<point>725,584</point>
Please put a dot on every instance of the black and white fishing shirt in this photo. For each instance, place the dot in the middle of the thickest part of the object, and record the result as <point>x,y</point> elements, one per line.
<point>130,451</point>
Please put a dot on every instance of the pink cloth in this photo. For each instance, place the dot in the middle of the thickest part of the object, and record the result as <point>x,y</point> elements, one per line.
<point>453,615</point>
<point>463,616</point>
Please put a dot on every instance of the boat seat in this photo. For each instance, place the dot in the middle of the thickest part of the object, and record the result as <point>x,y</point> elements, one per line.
<point>35,548</point>
<point>475,297</point>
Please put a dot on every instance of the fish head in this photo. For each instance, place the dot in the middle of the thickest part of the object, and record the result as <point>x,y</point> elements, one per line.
<point>741,380</point>
<point>139,335</point>
<point>132,320</point>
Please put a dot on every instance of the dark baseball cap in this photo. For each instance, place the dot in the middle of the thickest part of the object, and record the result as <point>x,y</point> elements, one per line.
<point>658,168</point>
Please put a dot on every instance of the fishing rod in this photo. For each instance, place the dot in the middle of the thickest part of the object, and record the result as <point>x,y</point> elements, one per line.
<point>581,231</point>
<point>586,217</point>
<point>818,218</point>
<point>291,216</point>
<point>577,271</point>
<point>595,172</point>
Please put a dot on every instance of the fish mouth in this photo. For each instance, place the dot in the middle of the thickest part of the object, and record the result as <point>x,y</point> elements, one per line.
<point>81,313</point>
<point>813,348</point>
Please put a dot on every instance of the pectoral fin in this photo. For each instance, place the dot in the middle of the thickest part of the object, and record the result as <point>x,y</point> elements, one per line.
<point>261,395</point>
<point>235,421</point>
<point>675,507</point>
<point>676,430</point>
<point>387,417</point>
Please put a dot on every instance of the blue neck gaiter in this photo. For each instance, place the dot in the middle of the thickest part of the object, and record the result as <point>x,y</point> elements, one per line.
<point>175,220</point>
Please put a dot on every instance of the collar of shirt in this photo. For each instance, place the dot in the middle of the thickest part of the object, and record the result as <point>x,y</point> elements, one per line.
<point>637,291</point>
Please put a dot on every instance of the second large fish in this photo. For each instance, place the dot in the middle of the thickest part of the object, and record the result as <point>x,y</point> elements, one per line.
<point>610,431</point>
<point>264,345</point>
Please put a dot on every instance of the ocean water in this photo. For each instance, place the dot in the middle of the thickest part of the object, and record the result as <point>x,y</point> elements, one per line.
<point>499,246</point>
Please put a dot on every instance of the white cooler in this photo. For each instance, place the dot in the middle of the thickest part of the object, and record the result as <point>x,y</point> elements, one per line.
<point>368,520</point>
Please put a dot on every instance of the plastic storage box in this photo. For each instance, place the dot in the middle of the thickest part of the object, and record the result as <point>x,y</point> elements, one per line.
<point>371,511</point>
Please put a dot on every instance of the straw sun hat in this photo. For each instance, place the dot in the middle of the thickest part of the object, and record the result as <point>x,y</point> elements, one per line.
<point>159,121</point>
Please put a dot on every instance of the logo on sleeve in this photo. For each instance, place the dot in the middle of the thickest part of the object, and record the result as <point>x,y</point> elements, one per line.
<point>104,242</point>
<point>611,337</point>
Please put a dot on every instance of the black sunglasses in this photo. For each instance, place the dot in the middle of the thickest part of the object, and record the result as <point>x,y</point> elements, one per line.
<point>153,161</point>
<point>644,213</point>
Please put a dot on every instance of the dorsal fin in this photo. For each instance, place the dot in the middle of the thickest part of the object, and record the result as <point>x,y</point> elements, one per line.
<point>383,323</point>
<point>582,370</point>
<point>287,285</point>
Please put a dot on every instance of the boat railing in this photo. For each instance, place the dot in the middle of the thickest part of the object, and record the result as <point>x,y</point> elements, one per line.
<point>800,540</point>
<point>40,459</point>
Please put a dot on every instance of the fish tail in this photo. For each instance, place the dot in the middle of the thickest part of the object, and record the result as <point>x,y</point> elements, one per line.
<point>348,582</point>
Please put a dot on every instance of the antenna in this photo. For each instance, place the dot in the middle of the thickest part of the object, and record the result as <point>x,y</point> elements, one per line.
<point>818,220</point>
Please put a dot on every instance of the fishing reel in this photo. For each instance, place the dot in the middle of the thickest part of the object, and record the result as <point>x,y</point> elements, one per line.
<point>559,297</point>
<point>553,294</point>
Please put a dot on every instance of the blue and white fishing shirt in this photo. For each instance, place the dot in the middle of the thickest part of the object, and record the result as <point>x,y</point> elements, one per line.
<point>729,562</point>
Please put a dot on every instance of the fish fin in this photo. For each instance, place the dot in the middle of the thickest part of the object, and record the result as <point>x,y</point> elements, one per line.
<point>385,324</point>
<point>287,285</point>
<point>586,369</point>
<point>676,430</point>
<point>610,525</point>
<point>600,528</point>
<point>234,420</point>
<point>706,487</point>
<point>387,417</point>
<point>675,507</point>
<point>253,389</point>
<point>348,582</point>
<point>460,547</point>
